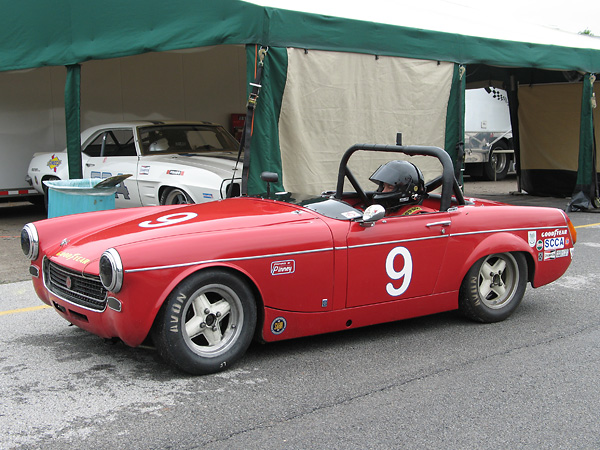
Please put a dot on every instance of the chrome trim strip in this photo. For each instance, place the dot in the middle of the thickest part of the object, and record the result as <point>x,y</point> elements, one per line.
<point>400,241</point>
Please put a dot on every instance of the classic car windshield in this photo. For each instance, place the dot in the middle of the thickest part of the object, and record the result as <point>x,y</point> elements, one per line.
<point>210,140</point>
<point>324,205</point>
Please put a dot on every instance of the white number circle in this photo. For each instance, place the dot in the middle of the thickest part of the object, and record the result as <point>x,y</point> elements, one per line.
<point>405,272</point>
<point>169,219</point>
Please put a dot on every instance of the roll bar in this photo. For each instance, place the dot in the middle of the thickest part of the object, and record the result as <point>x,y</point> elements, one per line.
<point>448,181</point>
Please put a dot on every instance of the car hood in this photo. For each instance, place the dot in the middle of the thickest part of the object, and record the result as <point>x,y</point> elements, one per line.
<point>96,232</point>
<point>220,165</point>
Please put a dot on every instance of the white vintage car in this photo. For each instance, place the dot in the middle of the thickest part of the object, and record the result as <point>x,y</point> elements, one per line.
<point>169,162</point>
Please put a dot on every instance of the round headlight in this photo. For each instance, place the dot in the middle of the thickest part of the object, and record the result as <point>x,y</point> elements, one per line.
<point>30,243</point>
<point>111,270</point>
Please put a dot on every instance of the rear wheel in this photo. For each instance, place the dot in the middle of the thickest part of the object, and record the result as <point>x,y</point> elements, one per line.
<point>207,322</point>
<point>498,164</point>
<point>493,287</point>
<point>174,196</point>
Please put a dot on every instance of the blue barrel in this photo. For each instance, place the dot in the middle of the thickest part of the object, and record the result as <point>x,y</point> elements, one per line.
<point>77,196</point>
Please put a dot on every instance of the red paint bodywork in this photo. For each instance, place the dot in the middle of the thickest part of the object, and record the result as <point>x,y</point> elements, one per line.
<point>319,274</point>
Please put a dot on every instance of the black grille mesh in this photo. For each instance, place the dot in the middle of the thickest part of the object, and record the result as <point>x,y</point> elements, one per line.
<point>85,290</point>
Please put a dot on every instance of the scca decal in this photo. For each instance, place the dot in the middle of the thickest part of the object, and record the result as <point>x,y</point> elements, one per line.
<point>169,219</point>
<point>554,243</point>
<point>405,272</point>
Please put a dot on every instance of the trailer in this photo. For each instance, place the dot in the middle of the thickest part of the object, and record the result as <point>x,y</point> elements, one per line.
<point>489,151</point>
<point>13,171</point>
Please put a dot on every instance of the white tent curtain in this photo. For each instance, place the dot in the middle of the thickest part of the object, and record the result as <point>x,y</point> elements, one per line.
<point>333,100</point>
<point>544,110</point>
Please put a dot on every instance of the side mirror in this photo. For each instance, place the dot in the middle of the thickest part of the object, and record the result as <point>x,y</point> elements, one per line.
<point>269,177</point>
<point>372,214</point>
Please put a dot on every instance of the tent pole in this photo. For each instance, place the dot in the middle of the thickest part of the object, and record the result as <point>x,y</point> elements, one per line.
<point>73,119</point>
<point>513,108</point>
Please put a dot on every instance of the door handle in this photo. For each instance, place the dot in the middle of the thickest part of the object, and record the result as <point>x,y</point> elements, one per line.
<point>443,223</point>
<point>89,165</point>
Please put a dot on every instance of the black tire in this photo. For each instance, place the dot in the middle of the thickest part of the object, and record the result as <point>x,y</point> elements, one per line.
<point>219,311</point>
<point>496,168</point>
<point>45,189</point>
<point>494,287</point>
<point>174,196</point>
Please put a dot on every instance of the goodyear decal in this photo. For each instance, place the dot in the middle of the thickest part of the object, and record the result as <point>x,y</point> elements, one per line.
<point>207,195</point>
<point>278,325</point>
<point>554,233</point>
<point>73,257</point>
<point>54,163</point>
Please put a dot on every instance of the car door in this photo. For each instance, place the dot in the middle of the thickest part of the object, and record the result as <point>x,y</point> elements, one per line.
<point>113,152</point>
<point>396,258</point>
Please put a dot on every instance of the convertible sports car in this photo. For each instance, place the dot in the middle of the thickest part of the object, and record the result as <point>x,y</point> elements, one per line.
<point>202,281</point>
<point>170,162</point>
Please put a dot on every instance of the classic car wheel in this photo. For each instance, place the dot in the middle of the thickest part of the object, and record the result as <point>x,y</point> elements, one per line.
<point>174,196</point>
<point>493,287</point>
<point>207,322</point>
<point>45,189</point>
<point>496,168</point>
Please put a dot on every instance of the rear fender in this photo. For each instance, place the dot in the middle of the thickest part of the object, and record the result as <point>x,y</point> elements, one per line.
<point>497,243</point>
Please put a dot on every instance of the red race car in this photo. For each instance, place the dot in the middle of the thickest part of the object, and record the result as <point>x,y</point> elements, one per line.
<point>203,280</point>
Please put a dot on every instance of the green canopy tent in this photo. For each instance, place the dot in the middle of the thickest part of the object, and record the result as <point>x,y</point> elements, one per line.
<point>329,77</point>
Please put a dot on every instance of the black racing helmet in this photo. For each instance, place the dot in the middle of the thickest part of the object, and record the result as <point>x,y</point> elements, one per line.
<point>406,179</point>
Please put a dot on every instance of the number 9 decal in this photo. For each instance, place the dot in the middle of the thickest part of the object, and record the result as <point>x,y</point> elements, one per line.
<point>169,219</point>
<point>405,273</point>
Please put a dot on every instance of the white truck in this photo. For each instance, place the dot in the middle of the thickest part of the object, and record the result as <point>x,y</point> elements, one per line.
<point>13,170</point>
<point>489,151</point>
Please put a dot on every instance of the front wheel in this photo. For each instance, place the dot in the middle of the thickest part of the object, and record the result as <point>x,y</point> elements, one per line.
<point>45,189</point>
<point>493,287</point>
<point>174,196</point>
<point>207,322</point>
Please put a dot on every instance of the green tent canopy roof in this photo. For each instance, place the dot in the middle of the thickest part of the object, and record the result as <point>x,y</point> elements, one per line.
<point>40,33</point>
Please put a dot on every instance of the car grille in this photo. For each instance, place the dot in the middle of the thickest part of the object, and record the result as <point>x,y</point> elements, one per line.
<point>83,290</point>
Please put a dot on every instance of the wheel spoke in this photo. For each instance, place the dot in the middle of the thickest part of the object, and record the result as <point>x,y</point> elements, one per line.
<point>499,266</point>
<point>486,270</point>
<point>192,326</point>
<point>213,335</point>
<point>500,291</point>
<point>222,306</point>
<point>485,287</point>
<point>200,304</point>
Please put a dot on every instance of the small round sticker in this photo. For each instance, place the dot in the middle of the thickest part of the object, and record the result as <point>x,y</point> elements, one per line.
<point>278,325</point>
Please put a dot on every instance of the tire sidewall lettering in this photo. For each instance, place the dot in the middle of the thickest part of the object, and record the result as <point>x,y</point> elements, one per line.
<point>175,317</point>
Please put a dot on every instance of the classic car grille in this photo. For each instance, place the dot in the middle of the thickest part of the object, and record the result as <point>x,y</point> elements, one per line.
<point>86,291</point>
